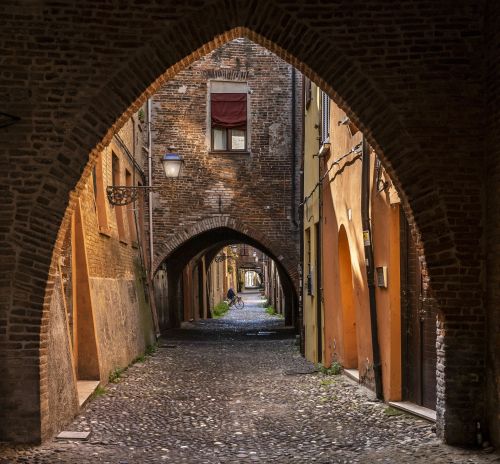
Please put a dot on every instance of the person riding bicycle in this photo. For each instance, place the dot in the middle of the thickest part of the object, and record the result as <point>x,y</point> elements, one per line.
<point>235,299</point>
<point>231,295</point>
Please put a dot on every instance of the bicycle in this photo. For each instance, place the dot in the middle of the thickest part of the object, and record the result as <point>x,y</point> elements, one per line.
<point>237,302</point>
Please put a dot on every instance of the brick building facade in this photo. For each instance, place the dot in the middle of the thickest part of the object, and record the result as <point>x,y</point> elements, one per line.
<point>366,304</point>
<point>100,318</point>
<point>418,78</point>
<point>249,182</point>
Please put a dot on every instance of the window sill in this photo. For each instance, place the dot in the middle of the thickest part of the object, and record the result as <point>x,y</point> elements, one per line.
<point>228,152</point>
<point>105,231</point>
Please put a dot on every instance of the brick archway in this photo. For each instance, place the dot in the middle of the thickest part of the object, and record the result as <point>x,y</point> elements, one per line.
<point>385,70</point>
<point>181,236</point>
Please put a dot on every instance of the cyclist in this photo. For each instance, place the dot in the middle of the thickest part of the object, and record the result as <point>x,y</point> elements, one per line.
<point>231,296</point>
<point>235,300</point>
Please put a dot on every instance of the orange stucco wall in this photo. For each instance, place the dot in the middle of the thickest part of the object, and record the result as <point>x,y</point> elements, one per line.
<point>386,247</point>
<point>341,210</point>
<point>344,186</point>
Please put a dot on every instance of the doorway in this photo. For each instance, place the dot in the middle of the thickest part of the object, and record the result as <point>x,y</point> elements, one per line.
<point>350,345</point>
<point>419,328</point>
<point>319,312</point>
<point>77,302</point>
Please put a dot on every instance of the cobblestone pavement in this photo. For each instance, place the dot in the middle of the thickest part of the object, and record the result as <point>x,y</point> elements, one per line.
<point>236,390</point>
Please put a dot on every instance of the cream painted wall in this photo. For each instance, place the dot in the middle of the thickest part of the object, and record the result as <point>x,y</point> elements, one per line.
<point>312,119</point>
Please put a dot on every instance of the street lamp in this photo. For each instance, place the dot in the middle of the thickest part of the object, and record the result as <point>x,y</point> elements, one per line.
<point>121,195</point>
<point>172,164</point>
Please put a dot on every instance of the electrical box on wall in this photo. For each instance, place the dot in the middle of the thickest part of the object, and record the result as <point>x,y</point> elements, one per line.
<point>381,276</point>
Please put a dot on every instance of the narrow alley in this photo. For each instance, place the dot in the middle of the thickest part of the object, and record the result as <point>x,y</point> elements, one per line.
<point>236,389</point>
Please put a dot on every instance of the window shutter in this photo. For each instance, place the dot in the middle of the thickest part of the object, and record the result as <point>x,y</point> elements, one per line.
<point>325,117</point>
<point>307,92</point>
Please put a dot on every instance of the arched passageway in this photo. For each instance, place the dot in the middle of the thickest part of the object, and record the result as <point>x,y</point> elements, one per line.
<point>84,94</point>
<point>207,245</point>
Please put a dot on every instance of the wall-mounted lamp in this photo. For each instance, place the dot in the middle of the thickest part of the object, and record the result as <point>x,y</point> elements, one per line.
<point>350,125</point>
<point>121,195</point>
<point>172,164</point>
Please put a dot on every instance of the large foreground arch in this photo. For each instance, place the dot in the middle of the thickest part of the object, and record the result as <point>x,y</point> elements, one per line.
<point>75,75</point>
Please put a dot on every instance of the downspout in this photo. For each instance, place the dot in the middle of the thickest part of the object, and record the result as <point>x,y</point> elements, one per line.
<point>301,232</point>
<point>319,263</point>
<point>294,149</point>
<point>370,271</point>
<point>150,220</point>
<point>150,194</point>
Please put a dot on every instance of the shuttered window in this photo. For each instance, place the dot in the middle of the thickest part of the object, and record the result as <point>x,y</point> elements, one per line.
<point>325,118</point>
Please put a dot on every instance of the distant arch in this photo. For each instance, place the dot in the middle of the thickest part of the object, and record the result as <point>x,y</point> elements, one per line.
<point>181,236</point>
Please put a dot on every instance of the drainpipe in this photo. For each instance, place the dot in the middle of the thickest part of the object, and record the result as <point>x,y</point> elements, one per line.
<point>301,232</point>
<point>370,271</point>
<point>150,183</point>
<point>294,148</point>
<point>319,260</point>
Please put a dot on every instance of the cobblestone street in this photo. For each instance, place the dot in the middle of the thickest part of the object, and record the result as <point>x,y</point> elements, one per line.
<point>237,390</point>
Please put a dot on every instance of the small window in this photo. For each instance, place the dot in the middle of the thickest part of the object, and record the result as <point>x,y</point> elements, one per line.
<point>115,166</point>
<point>94,183</point>
<point>130,210</point>
<point>99,196</point>
<point>228,116</point>
<point>325,118</point>
<point>307,92</point>
<point>140,216</point>
<point>308,264</point>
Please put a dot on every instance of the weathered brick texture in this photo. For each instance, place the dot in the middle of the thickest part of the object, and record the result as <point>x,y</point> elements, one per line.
<point>492,252</point>
<point>410,74</point>
<point>251,188</point>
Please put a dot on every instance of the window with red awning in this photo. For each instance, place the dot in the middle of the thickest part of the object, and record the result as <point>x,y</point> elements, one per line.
<point>228,119</point>
<point>229,110</point>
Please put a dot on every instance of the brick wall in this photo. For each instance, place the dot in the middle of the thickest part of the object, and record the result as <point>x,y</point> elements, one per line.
<point>492,252</point>
<point>122,324</point>
<point>253,187</point>
<point>409,74</point>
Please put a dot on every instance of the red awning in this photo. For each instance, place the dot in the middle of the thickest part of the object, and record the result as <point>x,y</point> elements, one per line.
<point>229,109</point>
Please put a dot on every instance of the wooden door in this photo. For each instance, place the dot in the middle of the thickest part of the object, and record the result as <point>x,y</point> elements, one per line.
<point>319,318</point>
<point>418,328</point>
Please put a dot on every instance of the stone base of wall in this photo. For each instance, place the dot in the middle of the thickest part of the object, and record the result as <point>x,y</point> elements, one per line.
<point>124,328</point>
<point>62,393</point>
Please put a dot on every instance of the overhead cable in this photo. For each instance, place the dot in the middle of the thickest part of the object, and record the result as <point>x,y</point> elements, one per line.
<point>355,149</point>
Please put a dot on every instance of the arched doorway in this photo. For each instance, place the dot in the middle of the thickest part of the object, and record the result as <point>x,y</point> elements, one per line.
<point>350,343</point>
<point>205,245</point>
